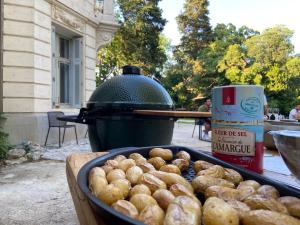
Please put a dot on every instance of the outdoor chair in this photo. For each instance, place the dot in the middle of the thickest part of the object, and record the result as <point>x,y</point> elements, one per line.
<point>199,122</point>
<point>55,123</point>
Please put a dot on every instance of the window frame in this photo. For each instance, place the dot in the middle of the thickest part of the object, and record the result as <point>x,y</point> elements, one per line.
<point>67,61</point>
<point>75,69</point>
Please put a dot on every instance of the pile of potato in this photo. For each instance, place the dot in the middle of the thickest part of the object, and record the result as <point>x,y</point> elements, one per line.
<point>154,192</point>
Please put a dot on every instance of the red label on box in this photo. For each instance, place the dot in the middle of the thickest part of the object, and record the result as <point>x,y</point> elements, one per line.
<point>228,96</point>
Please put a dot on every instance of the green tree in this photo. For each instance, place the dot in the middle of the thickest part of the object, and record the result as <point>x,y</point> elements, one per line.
<point>266,59</point>
<point>200,75</point>
<point>196,32</point>
<point>110,60</point>
<point>194,26</point>
<point>261,59</point>
<point>208,75</point>
<point>175,81</point>
<point>137,42</point>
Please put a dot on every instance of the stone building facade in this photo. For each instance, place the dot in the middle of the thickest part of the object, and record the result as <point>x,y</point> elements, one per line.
<point>48,59</point>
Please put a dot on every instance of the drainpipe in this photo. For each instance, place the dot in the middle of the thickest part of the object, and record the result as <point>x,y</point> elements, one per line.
<point>1,54</point>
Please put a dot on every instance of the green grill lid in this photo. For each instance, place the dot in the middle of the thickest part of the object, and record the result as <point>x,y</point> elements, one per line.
<point>130,91</point>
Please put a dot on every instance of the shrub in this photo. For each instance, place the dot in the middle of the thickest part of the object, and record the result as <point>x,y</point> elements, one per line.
<point>4,143</point>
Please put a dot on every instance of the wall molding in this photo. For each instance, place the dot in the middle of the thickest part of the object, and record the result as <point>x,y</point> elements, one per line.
<point>105,33</point>
<point>67,19</point>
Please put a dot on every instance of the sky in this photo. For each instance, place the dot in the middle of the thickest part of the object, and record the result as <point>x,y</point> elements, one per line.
<point>255,14</point>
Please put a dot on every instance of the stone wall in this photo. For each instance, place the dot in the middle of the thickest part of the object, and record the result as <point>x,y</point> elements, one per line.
<point>27,58</point>
<point>90,61</point>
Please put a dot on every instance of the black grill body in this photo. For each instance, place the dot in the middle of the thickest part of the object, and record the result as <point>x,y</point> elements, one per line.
<point>110,117</point>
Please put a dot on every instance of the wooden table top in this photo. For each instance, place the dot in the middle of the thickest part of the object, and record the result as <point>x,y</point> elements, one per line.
<point>178,114</point>
<point>87,217</point>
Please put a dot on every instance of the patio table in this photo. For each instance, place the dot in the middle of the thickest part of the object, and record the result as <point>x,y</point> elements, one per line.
<point>86,216</point>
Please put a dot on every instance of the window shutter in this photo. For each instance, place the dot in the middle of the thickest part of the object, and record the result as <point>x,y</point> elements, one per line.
<point>77,62</point>
<point>53,68</point>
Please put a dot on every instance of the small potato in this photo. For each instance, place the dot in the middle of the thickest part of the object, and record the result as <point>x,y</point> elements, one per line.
<point>133,174</point>
<point>146,167</point>
<point>170,169</point>
<point>268,191</point>
<point>113,163</point>
<point>157,162</point>
<point>259,202</point>
<point>182,164</point>
<point>139,189</point>
<point>201,165</point>
<point>110,194</point>
<point>152,215</point>
<point>97,184</point>
<point>232,176</point>
<point>141,201</point>
<point>292,204</point>
<point>152,182</point>
<point>266,217</point>
<point>123,185</point>
<point>172,178</point>
<point>183,210</point>
<point>140,161</point>
<point>126,208</point>
<point>135,156</point>
<point>216,211</point>
<point>213,171</point>
<point>251,183</point>
<point>97,171</point>
<point>165,154</point>
<point>107,168</point>
<point>183,155</point>
<point>245,192</point>
<point>224,193</point>
<point>115,175</point>
<point>163,198</point>
<point>240,207</point>
<point>179,190</point>
<point>126,164</point>
<point>120,158</point>
<point>96,176</point>
<point>200,183</point>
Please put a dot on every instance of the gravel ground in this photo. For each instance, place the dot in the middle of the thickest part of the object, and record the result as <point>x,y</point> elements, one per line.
<point>37,193</point>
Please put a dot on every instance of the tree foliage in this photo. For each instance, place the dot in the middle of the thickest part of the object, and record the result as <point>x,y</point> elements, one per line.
<point>265,59</point>
<point>194,25</point>
<point>262,59</point>
<point>137,42</point>
<point>176,82</point>
<point>209,76</point>
<point>205,57</point>
<point>200,75</point>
